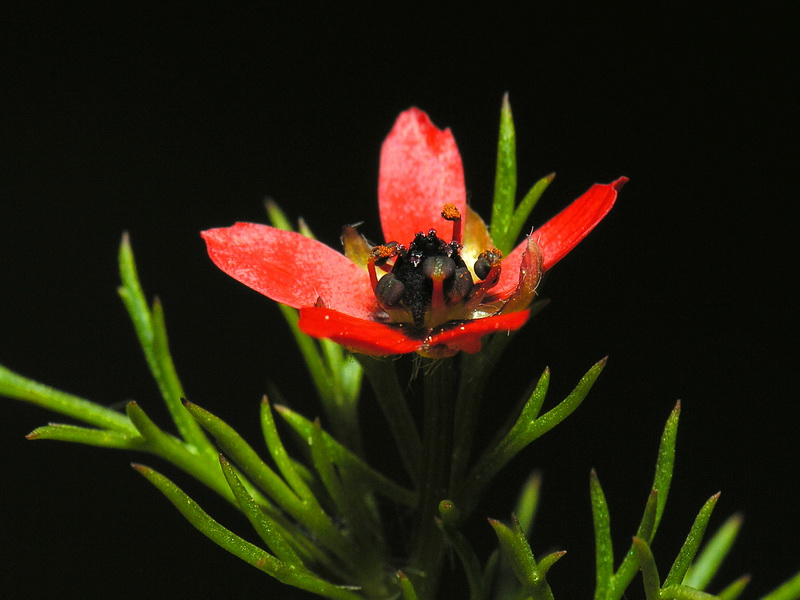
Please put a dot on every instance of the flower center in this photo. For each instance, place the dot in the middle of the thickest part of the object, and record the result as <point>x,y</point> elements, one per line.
<point>427,282</point>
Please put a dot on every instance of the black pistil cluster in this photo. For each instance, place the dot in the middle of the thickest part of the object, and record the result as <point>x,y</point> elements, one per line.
<point>411,281</point>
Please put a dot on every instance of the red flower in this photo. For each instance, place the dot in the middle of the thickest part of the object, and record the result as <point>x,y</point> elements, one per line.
<point>437,297</point>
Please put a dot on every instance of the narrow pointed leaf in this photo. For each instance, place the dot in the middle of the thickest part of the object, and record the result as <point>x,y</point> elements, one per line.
<point>526,430</point>
<point>528,502</point>
<point>665,462</point>
<point>343,499</point>
<point>549,560</point>
<point>172,389</point>
<point>787,591</point>
<point>268,530</point>
<point>604,550</point>
<point>406,587</point>
<point>382,376</point>
<point>306,511</point>
<point>682,592</point>
<point>150,330</point>
<point>518,552</point>
<point>469,560</point>
<point>505,184</point>
<point>525,207</point>
<point>83,435</point>
<point>630,564</point>
<point>345,459</point>
<point>278,452</point>
<point>714,552</point>
<point>647,564</point>
<point>18,387</point>
<point>239,547</point>
<point>690,547</point>
<point>276,215</point>
<point>735,589</point>
<point>177,452</point>
<point>647,528</point>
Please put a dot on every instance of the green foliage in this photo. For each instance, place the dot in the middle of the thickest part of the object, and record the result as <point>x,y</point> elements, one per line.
<point>321,519</point>
<point>508,218</point>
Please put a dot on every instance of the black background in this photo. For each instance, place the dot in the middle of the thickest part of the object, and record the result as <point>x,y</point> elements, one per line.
<point>166,122</point>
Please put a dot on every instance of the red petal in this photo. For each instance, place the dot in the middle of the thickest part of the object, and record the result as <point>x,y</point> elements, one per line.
<point>291,268</point>
<point>563,232</point>
<point>467,337</point>
<point>365,336</point>
<point>420,172</point>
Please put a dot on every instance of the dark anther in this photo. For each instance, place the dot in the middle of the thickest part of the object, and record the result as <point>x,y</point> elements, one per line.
<point>482,268</point>
<point>389,290</point>
<point>486,260</point>
<point>461,285</point>
<point>438,267</point>
<point>381,254</point>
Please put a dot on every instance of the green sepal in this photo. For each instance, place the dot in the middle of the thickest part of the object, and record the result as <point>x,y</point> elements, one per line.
<point>273,534</point>
<point>790,590</point>
<point>84,435</point>
<point>345,459</point>
<point>603,546</point>
<point>505,183</point>
<point>239,547</point>
<point>528,428</point>
<point>692,544</point>
<point>152,334</point>
<point>18,387</point>
<point>520,556</point>
<point>647,564</point>
<point>714,552</point>
<point>525,207</point>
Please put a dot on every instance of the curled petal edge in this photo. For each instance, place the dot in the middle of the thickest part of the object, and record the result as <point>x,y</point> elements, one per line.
<point>558,236</point>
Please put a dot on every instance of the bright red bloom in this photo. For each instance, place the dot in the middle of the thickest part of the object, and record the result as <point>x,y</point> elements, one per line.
<point>438,297</point>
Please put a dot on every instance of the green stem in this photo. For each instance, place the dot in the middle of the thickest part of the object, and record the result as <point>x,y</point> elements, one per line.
<point>382,375</point>
<point>427,543</point>
<point>475,371</point>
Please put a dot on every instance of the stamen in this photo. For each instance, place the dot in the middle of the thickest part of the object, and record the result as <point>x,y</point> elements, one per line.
<point>389,290</point>
<point>378,256</point>
<point>487,268</point>
<point>451,213</point>
<point>438,269</point>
